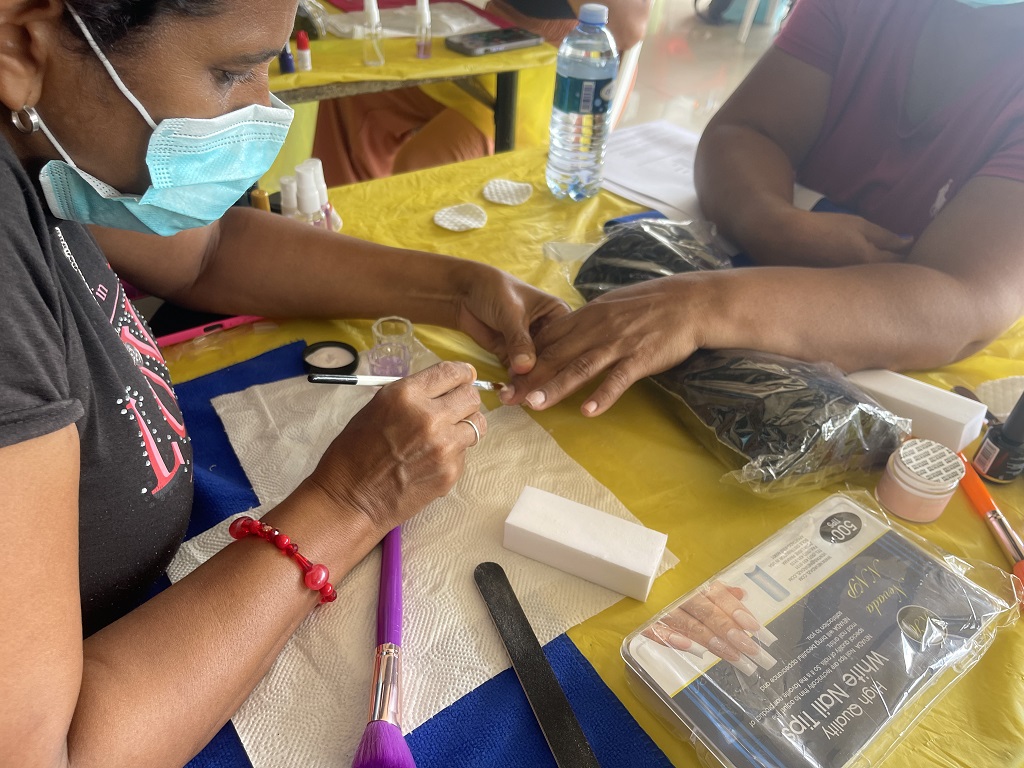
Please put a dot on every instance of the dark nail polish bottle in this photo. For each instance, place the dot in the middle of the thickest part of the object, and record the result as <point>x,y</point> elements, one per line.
<point>286,60</point>
<point>1001,456</point>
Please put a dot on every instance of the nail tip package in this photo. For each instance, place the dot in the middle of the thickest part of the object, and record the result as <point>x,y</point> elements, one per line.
<point>852,628</point>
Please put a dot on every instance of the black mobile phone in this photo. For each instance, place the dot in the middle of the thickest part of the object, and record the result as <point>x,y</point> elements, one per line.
<point>492,41</point>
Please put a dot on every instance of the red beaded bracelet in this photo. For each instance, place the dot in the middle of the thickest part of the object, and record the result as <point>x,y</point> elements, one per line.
<point>316,576</point>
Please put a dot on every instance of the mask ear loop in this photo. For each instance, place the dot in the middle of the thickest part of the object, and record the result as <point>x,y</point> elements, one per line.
<point>56,144</point>
<point>110,69</point>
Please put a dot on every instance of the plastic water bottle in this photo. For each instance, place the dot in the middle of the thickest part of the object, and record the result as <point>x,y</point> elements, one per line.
<point>588,61</point>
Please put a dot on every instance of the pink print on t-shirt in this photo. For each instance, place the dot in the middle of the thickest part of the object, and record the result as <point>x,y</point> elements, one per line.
<point>168,432</point>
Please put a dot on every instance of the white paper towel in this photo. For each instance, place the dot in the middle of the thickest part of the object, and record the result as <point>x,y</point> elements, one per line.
<point>310,709</point>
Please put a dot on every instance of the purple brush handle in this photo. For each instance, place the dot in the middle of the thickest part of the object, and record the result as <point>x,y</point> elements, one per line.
<point>389,602</point>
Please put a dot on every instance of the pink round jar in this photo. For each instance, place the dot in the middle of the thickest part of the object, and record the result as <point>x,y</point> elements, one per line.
<point>919,480</point>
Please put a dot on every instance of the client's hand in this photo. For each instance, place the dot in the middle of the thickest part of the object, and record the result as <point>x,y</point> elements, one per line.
<point>406,448</point>
<point>625,334</point>
<point>806,239</point>
<point>715,620</point>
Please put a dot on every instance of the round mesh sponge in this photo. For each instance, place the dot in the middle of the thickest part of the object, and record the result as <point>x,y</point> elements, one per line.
<point>459,218</point>
<point>507,192</point>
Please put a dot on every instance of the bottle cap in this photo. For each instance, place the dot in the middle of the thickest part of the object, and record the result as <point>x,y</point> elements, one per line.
<point>316,165</point>
<point>1013,427</point>
<point>260,200</point>
<point>594,13</point>
<point>289,196</point>
<point>371,13</point>
<point>309,198</point>
<point>302,40</point>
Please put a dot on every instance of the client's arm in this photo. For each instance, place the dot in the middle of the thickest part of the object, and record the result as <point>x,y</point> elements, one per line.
<point>744,173</point>
<point>962,285</point>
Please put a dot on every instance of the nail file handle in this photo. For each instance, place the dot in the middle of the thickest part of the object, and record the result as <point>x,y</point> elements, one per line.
<point>550,706</point>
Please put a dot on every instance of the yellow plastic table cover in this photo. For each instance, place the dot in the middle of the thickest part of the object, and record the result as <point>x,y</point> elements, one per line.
<point>336,60</point>
<point>646,458</point>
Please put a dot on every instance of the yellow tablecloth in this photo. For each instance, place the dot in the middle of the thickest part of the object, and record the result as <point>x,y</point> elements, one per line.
<point>646,458</point>
<point>341,61</point>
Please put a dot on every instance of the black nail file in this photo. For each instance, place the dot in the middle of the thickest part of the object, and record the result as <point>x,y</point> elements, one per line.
<point>547,699</point>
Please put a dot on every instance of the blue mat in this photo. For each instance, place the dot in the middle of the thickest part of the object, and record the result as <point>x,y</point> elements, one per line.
<point>490,727</point>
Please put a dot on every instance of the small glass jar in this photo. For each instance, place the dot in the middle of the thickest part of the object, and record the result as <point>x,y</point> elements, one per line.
<point>393,330</point>
<point>919,480</point>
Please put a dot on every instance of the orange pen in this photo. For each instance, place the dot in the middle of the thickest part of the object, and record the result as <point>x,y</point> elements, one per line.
<point>982,501</point>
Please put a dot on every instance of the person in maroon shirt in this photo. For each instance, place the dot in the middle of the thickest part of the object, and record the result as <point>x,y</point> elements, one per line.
<point>908,113</point>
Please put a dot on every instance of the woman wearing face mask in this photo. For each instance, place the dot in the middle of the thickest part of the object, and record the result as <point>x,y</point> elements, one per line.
<point>145,117</point>
<point>908,114</point>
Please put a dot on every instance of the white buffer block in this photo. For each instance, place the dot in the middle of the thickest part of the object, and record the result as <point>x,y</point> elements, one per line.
<point>611,552</point>
<point>935,414</point>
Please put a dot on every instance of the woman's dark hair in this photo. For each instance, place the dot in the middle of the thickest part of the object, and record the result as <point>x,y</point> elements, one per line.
<point>115,22</point>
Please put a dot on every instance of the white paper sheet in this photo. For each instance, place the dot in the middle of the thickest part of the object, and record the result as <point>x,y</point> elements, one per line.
<point>652,164</point>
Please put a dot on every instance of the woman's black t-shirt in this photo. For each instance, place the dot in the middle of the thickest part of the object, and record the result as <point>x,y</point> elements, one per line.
<point>74,350</point>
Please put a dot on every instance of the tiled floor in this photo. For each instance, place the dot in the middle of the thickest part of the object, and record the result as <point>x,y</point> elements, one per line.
<point>688,68</point>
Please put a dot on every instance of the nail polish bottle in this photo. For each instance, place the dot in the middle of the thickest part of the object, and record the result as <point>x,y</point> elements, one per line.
<point>424,41</point>
<point>331,215</point>
<point>309,198</point>
<point>303,56</point>
<point>289,197</point>
<point>372,33</point>
<point>286,61</point>
<point>1000,458</point>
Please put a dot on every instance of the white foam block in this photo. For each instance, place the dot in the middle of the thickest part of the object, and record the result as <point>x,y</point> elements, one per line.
<point>586,542</point>
<point>945,417</point>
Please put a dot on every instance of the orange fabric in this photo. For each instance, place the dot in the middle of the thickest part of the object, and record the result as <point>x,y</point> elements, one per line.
<point>369,136</point>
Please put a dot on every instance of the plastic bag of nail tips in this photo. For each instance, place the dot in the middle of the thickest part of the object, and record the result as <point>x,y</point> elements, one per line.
<point>646,249</point>
<point>782,425</point>
<point>822,646</point>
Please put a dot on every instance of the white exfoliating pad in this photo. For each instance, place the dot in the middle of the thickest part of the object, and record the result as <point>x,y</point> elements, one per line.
<point>614,553</point>
<point>1000,395</point>
<point>459,218</point>
<point>507,192</point>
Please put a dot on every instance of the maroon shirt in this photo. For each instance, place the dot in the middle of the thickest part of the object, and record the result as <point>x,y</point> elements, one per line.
<point>868,157</point>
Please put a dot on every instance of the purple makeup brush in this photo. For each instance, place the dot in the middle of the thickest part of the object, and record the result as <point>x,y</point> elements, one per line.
<point>383,745</point>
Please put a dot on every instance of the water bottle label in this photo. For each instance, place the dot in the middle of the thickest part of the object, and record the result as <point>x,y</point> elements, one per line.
<point>583,97</point>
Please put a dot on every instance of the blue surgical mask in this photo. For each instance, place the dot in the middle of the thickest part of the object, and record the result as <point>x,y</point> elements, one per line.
<point>199,167</point>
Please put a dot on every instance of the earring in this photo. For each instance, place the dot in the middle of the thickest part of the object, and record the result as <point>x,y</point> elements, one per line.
<point>19,122</point>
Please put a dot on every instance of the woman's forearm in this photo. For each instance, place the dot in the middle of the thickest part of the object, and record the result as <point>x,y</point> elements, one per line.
<point>266,265</point>
<point>159,683</point>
